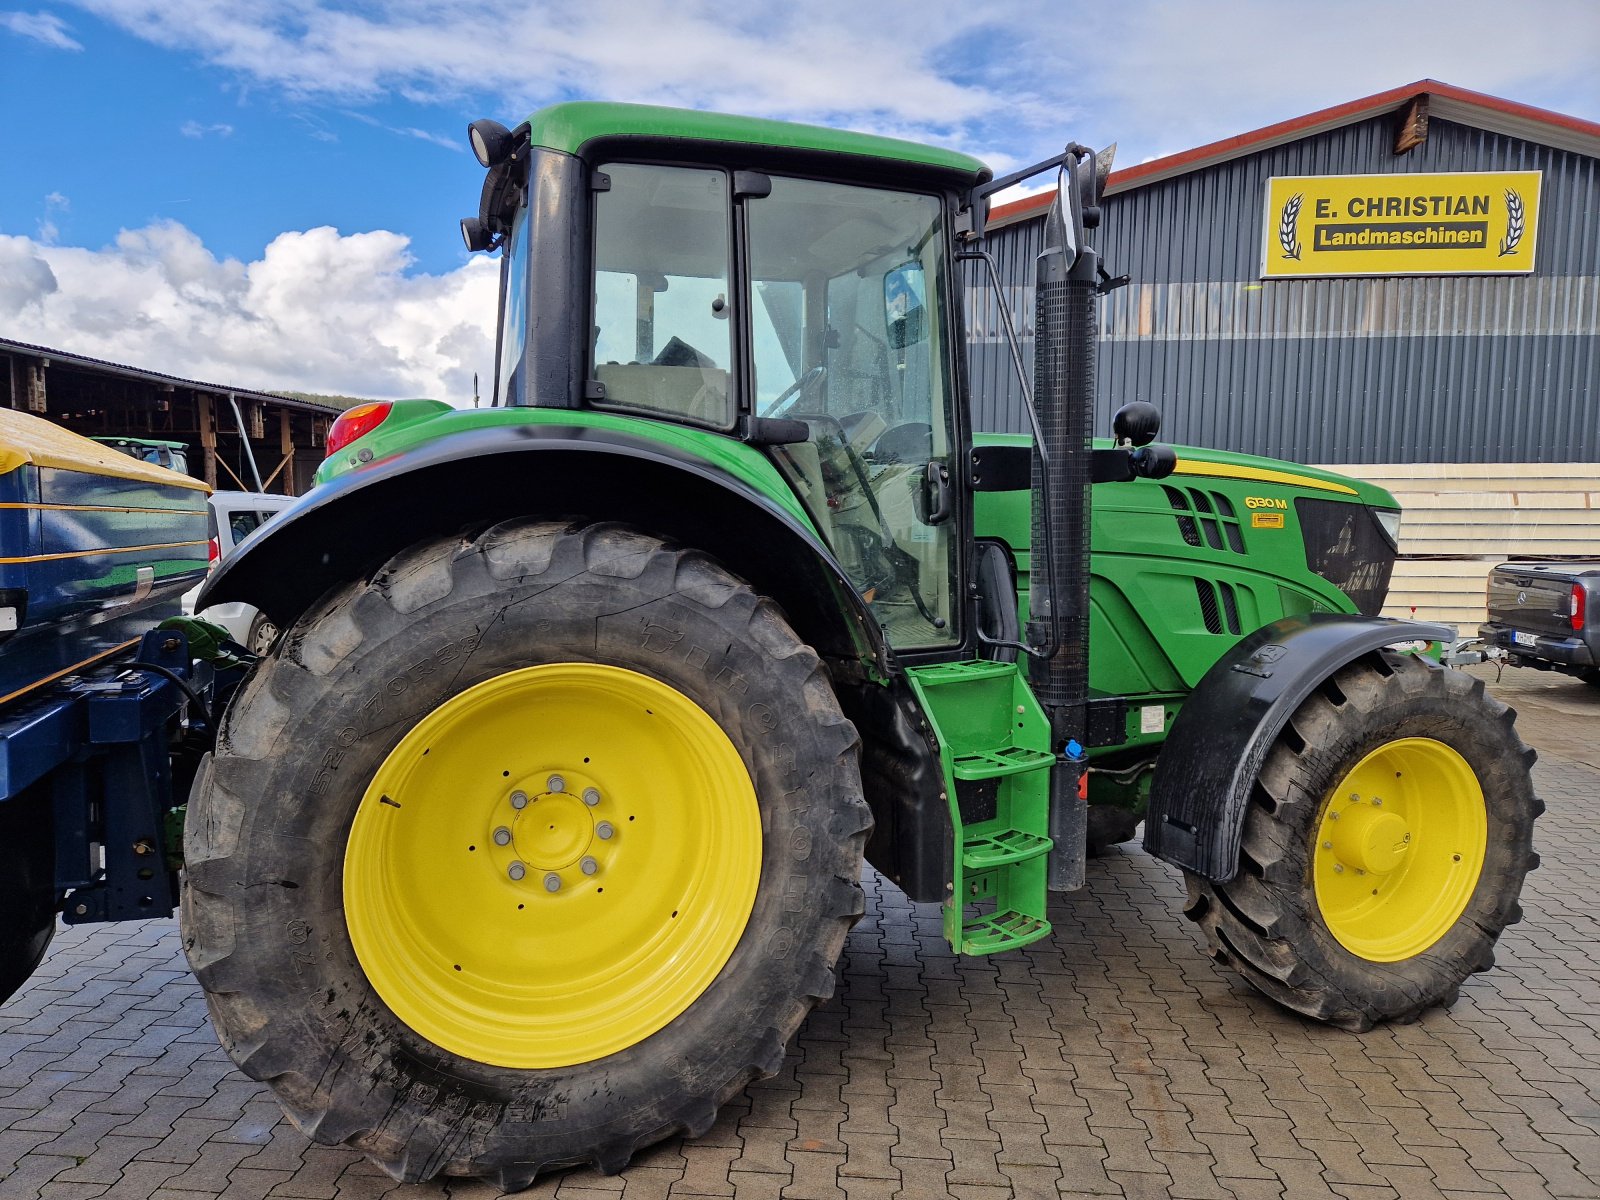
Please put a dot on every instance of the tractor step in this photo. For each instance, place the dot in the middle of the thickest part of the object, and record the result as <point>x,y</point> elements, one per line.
<point>994,748</point>
<point>997,849</point>
<point>996,764</point>
<point>1002,930</point>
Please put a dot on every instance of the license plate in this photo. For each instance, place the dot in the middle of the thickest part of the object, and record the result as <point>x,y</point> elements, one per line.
<point>1525,639</point>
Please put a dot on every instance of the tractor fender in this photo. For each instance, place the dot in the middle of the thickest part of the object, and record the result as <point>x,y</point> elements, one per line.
<point>1226,727</point>
<point>348,527</point>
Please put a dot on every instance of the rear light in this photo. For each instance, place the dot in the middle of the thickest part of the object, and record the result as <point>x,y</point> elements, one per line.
<point>213,551</point>
<point>1577,608</point>
<point>355,423</point>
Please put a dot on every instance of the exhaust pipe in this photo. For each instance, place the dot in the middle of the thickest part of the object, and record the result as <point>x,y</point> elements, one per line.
<point>1064,385</point>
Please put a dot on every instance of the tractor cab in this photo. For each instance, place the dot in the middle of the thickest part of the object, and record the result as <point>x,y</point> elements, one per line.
<point>799,302</point>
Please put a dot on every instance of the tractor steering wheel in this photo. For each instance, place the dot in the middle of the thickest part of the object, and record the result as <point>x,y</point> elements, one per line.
<point>787,398</point>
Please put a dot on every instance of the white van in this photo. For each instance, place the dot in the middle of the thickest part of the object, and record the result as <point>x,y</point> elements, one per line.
<point>233,517</point>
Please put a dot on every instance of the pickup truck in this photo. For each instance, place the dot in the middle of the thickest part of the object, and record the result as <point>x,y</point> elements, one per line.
<point>1547,615</point>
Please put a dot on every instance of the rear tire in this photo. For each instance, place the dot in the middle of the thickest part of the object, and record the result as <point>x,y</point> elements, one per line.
<point>1384,847</point>
<point>286,876</point>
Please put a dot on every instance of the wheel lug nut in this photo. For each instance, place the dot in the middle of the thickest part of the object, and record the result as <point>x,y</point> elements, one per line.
<point>552,882</point>
<point>604,830</point>
<point>1327,845</point>
<point>519,799</point>
<point>591,796</point>
<point>516,870</point>
<point>589,866</point>
<point>502,836</point>
<point>557,784</point>
<point>1338,868</point>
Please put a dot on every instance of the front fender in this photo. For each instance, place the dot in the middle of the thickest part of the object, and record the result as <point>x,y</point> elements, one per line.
<point>345,529</point>
<point>1229,722</point>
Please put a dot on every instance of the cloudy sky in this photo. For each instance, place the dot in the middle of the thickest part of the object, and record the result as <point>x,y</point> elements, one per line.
<point>266,194</point>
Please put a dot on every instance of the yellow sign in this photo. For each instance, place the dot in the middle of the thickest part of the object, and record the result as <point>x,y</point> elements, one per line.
<point>1265,520</point>
<point>1483,223</point>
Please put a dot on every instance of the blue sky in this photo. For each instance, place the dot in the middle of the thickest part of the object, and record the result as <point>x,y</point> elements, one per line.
<point>267,194</point>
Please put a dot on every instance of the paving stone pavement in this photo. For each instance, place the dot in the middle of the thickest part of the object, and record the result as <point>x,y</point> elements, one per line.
<point>1114,1060</point>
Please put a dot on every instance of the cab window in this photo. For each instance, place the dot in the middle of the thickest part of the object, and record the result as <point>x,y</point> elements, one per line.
<point>663,337</point>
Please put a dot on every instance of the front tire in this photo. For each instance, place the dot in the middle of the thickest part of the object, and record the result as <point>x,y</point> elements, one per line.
<point>1384,847</point>
<point>353,905</point>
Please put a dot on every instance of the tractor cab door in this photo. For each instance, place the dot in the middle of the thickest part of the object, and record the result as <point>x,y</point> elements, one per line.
<point>848,333</point>
<point>726,294</point>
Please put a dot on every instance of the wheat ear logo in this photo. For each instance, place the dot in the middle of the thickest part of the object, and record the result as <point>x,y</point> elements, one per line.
<point>1514,224</point>
<point>1287,220</point>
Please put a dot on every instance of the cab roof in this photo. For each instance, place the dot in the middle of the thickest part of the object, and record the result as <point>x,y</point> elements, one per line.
<point>571,126</point>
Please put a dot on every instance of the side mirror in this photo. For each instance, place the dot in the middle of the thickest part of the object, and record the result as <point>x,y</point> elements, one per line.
<point>1069,197</point>
<point>903,305</point>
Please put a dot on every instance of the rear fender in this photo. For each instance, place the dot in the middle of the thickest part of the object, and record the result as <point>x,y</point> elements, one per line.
<point>347,528</point>
<point>1229,722</point>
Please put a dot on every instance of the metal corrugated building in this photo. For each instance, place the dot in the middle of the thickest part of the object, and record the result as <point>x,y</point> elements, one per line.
<point>1454,391</point>
<point>1442,369</point>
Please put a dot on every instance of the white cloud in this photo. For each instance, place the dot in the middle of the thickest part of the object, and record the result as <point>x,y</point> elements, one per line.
<point>41,27</point>
<point>818,61</point>
<point>1012,79</point>
<point>1169,77</point>
<point>318,311</point>
<point>25,278</point>
<point>194,129</point>
<point>456,144</point>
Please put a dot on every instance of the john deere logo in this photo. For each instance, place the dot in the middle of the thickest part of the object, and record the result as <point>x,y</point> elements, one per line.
<point>1401,224</point>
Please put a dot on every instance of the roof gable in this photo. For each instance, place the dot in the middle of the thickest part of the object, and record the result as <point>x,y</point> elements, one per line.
<point>1444,100</point>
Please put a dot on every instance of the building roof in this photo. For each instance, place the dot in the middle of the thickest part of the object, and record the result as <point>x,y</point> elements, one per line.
<point>110,368</point>
<point>1444,100</point>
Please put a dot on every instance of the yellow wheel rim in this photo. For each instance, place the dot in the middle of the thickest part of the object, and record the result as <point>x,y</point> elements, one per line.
<point>552,865</point>
<point>1399,849</point>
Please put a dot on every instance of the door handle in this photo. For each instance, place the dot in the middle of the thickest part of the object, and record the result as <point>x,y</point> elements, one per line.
<point>937,495</point>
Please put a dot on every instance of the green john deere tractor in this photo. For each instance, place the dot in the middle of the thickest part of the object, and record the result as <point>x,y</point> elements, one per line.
<point>540,832</point>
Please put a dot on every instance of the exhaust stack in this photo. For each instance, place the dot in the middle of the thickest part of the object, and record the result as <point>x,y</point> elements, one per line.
<point>1064,386</point>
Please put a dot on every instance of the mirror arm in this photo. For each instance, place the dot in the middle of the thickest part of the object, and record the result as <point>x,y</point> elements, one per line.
<point>1073,151</point>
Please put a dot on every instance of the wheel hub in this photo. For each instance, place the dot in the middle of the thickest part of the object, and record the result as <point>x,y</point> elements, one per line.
<point>1369,838</point>
<point>553,831</point>
<point>1399,849</point>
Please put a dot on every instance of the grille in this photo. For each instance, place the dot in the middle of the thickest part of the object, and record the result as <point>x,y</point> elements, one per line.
<point>1219,606</point>
<point>1211,513</point>
<point>1186,525</point>
<point>1347,547</point>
